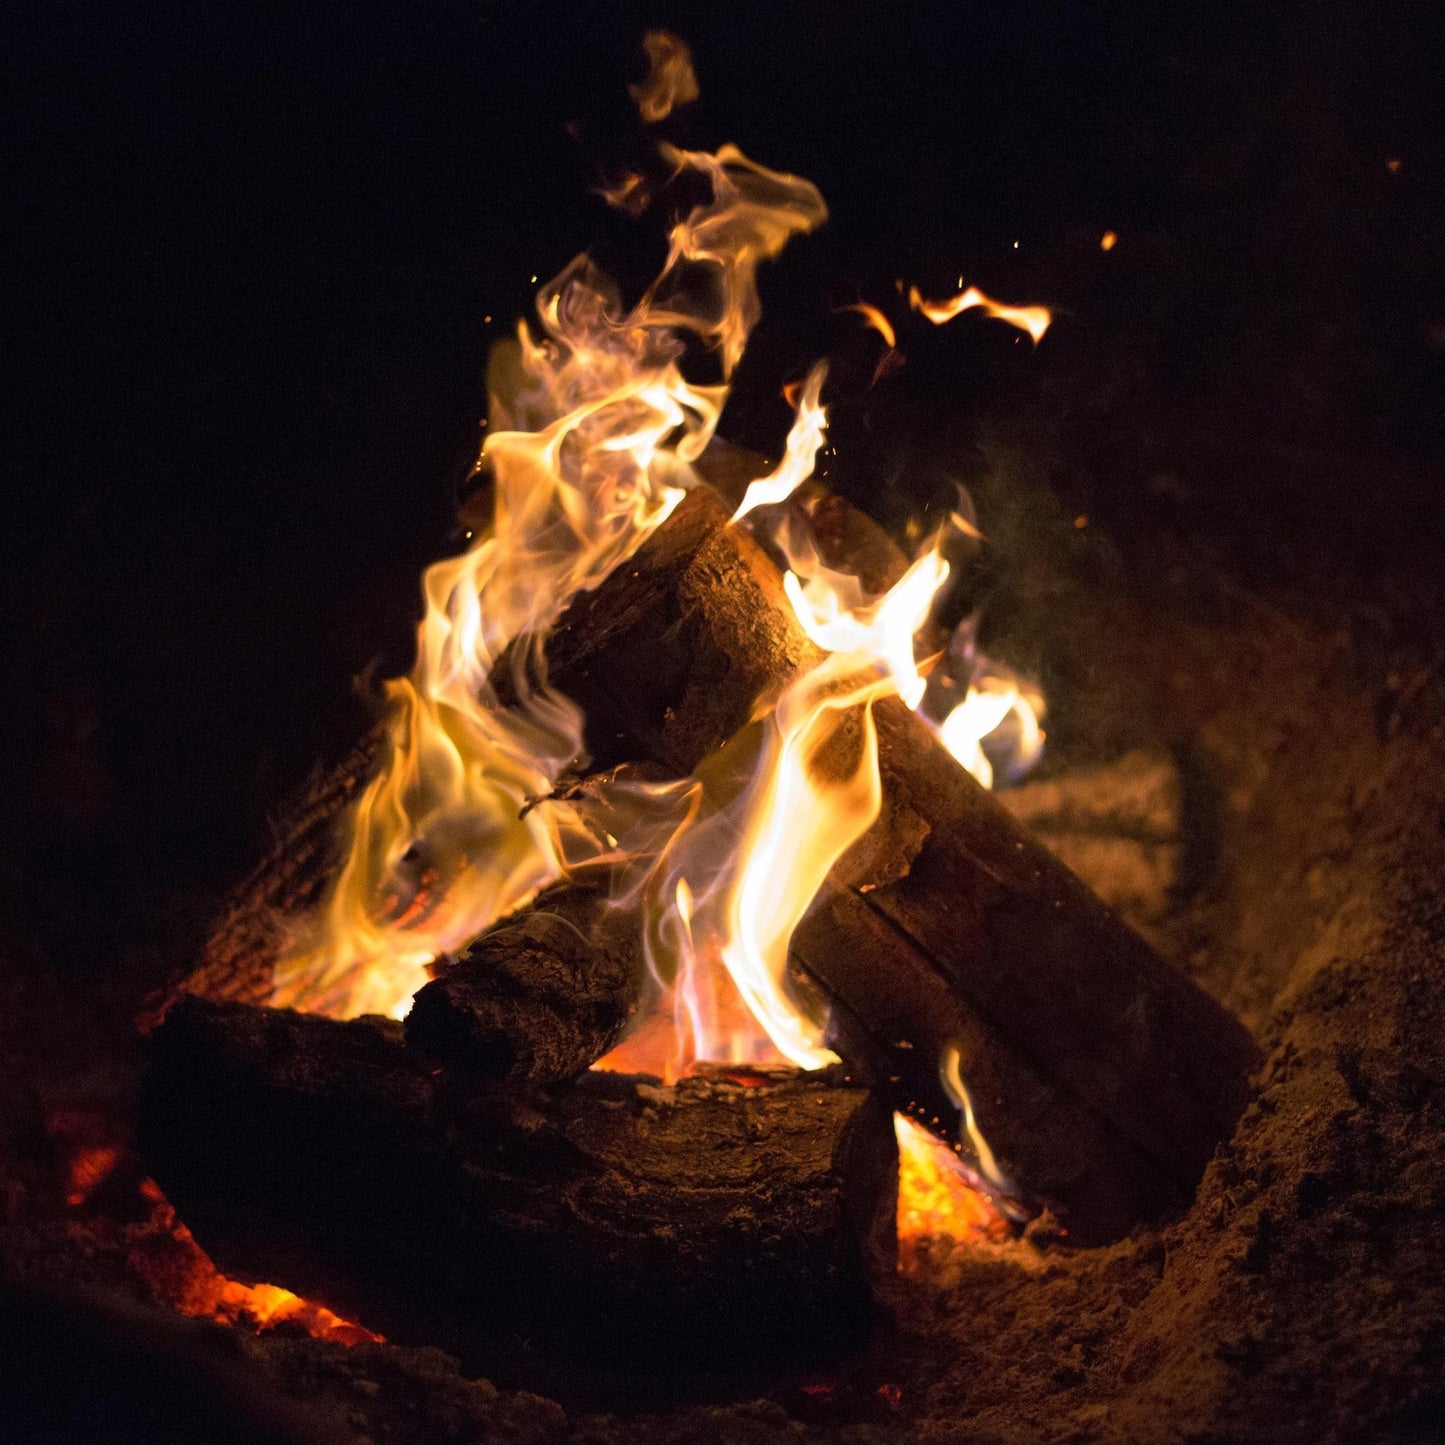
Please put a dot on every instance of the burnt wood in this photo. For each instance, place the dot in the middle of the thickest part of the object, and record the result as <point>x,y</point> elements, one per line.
<point>1102,1078</point>
<point>609,1219</point>
<point>539,997</point>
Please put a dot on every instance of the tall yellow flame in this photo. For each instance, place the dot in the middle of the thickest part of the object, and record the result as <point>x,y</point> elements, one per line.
<point>591,448</point>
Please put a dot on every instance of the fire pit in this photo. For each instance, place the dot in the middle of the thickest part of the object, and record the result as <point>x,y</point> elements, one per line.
<point>657,1012</point>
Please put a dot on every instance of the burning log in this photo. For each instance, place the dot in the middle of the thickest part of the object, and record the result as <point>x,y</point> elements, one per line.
<point>1100,1076</point>
<point>539,997</point>
<point>668,657</point>
<point>614,1215</point>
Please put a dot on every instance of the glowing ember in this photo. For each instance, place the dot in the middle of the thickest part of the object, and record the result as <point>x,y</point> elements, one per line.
<point>163,1251</point>
<point>87,1170</point>
<point>935,1199</point>
<point>88,1152</point>
<point>195,1287</point>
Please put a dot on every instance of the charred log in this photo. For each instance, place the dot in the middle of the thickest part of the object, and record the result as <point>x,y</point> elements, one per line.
<point>1102,1078</point>
<point>600,1219</point>
<point>536,999</point>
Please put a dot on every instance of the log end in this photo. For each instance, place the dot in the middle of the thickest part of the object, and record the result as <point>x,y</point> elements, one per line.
<point>535,1000</point>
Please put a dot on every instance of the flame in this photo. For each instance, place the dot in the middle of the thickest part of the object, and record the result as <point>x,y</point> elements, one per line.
<point>877,320</point>
<point>630,193</point>
<point>593,432</point>
<point>1033,319</point>
<point>798,825</point>
<point>994,701</point>
<point>670,80</point>
<point>882,630</point>
<point>892,357</point>
<point>805,438</point>
<point>740,869</point>
<point>590,449</point>
<point>740,881</point>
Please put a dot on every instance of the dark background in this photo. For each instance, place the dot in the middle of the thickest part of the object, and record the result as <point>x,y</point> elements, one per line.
<point>249,253</point>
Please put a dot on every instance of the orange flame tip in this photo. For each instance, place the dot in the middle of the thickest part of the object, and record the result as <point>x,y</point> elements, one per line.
<point>805,438</point>
<point>1035,320</point>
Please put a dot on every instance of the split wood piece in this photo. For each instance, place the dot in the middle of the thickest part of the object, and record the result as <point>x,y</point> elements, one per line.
<point>613,1219</point>
<point>1101,1077</point>
<point>669,655</point>
<point>539,997</point>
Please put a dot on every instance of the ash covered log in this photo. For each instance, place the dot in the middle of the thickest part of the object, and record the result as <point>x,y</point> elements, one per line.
<point>1102,1078</point>
<point>601,1219</point>
<point>539,997</point>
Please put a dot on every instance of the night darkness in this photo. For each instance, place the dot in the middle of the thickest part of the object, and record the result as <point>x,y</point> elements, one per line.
<point>255,256</point>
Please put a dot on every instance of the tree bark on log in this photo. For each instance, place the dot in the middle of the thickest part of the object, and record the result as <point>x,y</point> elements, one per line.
<point>606,1219</point>
<point>1101,1077</point>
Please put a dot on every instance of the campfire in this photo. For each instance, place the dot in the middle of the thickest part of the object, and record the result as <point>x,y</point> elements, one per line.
<point>663,950</point>
<point>703,1003</point>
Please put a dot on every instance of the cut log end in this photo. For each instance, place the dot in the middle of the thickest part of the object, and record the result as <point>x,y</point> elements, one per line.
<point>538,998</point>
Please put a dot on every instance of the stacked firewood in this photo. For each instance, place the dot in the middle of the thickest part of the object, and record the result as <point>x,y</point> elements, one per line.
<point>466,1174</point>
